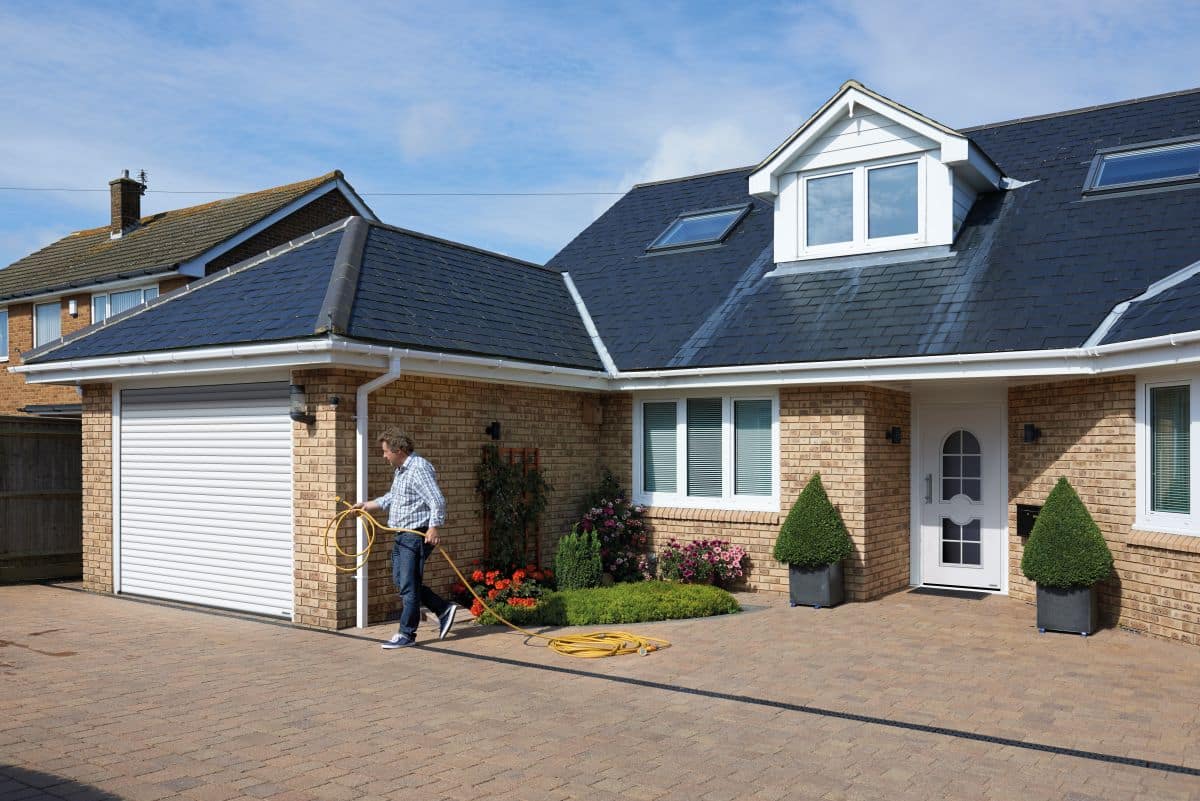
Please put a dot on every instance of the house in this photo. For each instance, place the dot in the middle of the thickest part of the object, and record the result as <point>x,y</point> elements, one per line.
<point>90,275</point>
<point>942,322</point>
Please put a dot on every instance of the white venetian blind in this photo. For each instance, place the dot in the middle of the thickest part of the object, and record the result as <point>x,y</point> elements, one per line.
<point>752,447</point>
<point>1170,446</point>
<point>658,450</point>
<point>704,447</point>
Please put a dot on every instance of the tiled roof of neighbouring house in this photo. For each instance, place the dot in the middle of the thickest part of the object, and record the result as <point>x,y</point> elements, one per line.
<point>389,286</point>
<point>159,243</point>
<point>1035,267</point>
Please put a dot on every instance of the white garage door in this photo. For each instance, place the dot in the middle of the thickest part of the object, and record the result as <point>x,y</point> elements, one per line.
<point>206,495</point>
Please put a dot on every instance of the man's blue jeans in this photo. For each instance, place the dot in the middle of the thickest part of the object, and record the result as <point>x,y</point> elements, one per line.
<point>408,571</point>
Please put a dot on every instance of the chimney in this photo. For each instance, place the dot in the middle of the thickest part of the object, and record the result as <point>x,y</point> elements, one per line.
<point>125,202</point>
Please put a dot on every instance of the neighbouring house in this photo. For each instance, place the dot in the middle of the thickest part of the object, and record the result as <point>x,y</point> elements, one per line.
<point>87,278</point>
<point>942,322</point>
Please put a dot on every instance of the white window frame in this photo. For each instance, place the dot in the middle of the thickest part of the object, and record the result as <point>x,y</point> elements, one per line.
<point>7,335</point>
<point>56,303</point>
<point>860,204</point>
<point>1167,522</point>
<point>680,499</point>
<point>107,295</point>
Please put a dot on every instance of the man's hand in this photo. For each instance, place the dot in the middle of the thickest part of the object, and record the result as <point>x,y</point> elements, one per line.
<point>431,536</point>
<point>367,506</point>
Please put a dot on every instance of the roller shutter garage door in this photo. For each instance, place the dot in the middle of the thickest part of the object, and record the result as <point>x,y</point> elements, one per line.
<point>206,495</point>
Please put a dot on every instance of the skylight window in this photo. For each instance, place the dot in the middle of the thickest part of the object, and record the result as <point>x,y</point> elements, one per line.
<point>1165,163</point>
<point>699,228</point>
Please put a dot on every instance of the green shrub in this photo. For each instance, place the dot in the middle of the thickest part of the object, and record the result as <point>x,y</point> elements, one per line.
<point>1065,548</point>
<point>622,603</point>
<point>577,560</point>
<point>813,533</point>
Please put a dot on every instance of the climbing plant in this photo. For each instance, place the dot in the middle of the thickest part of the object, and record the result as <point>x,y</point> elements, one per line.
<point>514,497</point>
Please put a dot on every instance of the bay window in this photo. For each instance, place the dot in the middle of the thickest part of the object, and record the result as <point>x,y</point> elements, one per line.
<point>707,451</point>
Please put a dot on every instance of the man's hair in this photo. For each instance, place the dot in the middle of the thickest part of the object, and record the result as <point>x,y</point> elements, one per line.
<point>396,440</point>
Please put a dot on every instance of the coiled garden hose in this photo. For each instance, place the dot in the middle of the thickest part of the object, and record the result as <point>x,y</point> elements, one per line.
<point>586,646</point>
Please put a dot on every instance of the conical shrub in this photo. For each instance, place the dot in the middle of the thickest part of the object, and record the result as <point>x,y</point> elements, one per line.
<point>813,533</point>
<point>1065,548</point>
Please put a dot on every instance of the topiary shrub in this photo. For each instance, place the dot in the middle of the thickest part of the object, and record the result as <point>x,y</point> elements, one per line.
<point>813,534</point>
<point>1065,548</point>
<point>577,560</point>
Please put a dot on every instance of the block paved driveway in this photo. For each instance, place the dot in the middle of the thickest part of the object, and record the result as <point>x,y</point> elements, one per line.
<point>910,697</point>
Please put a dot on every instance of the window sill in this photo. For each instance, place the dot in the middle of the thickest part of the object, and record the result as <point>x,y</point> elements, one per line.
<point>712,515</point>
<point>1144,537</point>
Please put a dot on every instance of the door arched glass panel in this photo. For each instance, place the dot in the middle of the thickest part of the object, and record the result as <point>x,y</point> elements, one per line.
<point>962,466</point>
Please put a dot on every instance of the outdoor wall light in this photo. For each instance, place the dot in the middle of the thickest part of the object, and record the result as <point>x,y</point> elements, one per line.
<point>73,307</point>
<point>493,430</point>
<point>298,405</point>
<point>892,435</point>
<point>1031,433</point>
<point>334,401</point>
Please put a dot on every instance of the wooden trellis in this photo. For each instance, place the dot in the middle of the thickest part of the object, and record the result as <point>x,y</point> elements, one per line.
<point>526,457</point>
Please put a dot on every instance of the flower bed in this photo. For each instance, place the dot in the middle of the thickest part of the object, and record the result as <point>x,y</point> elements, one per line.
<point>702,562</point>
<point>622,603</point>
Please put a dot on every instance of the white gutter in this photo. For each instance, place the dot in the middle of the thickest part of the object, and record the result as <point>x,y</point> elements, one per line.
<point>361,451</point>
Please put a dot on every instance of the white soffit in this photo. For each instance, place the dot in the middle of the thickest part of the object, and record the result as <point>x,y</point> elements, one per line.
<point>957,151</point>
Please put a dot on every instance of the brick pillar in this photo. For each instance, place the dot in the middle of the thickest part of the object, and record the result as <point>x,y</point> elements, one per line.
<point>97,488</point>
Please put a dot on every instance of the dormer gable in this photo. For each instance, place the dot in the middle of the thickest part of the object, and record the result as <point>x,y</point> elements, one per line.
<point>864,175</point>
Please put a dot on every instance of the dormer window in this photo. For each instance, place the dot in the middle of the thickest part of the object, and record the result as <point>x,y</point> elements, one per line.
<point>706,227</point>
<point>1156,163</point>
<point>866,207</point>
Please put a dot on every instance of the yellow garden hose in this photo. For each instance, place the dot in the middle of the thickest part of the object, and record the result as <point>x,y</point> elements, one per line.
<point>587,646</point>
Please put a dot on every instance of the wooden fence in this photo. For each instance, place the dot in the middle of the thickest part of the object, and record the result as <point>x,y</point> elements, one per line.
<point>40,498</point>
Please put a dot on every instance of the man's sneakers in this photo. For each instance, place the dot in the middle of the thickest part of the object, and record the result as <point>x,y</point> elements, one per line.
<point>446,620</point>
<point>398,641</point>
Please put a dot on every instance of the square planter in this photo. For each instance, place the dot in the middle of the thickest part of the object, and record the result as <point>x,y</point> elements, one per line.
<point>815,586</point>
<point>1076,610</point>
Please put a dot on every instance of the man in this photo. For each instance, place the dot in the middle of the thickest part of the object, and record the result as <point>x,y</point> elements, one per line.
<point>415,502</point>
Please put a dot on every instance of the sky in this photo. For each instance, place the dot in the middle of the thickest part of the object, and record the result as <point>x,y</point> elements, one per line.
<point>446,100</point>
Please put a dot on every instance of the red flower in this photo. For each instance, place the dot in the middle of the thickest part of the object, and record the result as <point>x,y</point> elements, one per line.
<point>477,608</point>
<point>477,576</point>
<point>492,594</point>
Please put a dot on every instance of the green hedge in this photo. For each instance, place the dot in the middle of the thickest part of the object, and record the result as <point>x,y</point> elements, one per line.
<point>636,602</point>
<point>1065,548</point>
<point>813,535</point>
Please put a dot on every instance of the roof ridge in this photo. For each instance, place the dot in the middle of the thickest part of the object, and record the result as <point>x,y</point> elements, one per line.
<point>462,245</point>
<point>1082,110</point>
<point>186,289</point>
<point>334,315</point>
<point>690,177</point>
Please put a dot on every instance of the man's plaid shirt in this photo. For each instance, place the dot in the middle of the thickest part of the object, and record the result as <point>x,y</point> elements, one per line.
<point>414,499</point>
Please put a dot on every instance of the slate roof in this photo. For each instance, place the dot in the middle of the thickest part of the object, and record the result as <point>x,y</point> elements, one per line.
<point>366,281</point>
<point>1032,268</point>
<point>1169,312</point>
<point>160,243</point>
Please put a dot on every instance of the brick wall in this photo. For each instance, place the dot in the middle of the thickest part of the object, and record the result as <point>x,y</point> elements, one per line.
<point>326,209</point>
<point>14,392</point>
<point>1088,436</point>
<point>446,419</point>
<point>837,431</point>
<point>97,487</point>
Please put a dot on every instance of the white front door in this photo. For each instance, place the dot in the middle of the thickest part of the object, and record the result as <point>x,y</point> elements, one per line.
<point>962,493</point>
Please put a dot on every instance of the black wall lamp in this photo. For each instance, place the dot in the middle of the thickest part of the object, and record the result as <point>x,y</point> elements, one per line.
<point>493,430</point>
<point>1031,433</point>
<point>892,435</point>
<point>298,405</point>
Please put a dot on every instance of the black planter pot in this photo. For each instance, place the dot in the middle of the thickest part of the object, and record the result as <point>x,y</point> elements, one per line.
<point>1076,610</point>
<point>815,586</point>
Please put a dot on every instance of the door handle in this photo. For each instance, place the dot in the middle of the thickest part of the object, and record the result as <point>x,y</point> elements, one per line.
<point>929,488</point>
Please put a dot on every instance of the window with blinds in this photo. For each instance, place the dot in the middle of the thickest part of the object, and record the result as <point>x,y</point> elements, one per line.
<point>1170,449</point>
<point>47,322</point>
<point>709,452</point>
<point>3,334</point>
<point>658,447</point>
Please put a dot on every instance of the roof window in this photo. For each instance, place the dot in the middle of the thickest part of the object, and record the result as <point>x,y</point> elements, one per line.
<point>706,227</point>
<point>1159,163</point>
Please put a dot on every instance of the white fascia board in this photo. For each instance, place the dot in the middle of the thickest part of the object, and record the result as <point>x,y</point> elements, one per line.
<point>764,182</point>
<point>308,353</point>
<point>150,279</point>
<point>966,159</point>
<point>195,266</point>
